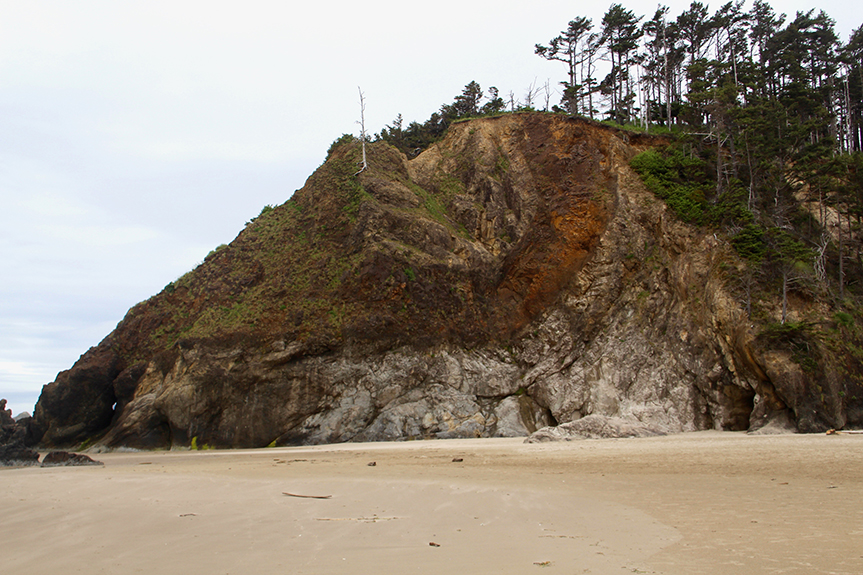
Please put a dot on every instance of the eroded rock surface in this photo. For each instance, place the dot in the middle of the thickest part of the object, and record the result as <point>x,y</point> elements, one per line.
<point>514,276</point>
<point>595,427</point>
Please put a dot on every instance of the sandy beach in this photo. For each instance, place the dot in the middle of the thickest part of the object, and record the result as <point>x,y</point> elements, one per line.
<point>706,502</point>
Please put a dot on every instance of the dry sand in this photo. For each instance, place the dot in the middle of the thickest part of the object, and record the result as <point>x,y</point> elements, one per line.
<point>705,502</point>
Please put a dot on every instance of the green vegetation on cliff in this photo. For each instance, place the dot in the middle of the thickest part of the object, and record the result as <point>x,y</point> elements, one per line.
<point>308,271</point>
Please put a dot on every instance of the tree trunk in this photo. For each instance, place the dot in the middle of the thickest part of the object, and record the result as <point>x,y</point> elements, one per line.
<point>363,129</point>
<point>667,78</point>
<point>751,173</point>
<point>719,186</point>
<point>613,87</point>
<point>841,249</point>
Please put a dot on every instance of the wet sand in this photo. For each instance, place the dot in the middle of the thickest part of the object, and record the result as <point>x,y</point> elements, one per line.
<point>699,503</point>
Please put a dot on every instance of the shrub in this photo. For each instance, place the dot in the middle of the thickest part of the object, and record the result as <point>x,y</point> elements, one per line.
<point>749,243</point>
<point>264,211</point>
<point>797,337</point>
<point>676,178</point>
<point>343,139</point>
<point>684,182</point>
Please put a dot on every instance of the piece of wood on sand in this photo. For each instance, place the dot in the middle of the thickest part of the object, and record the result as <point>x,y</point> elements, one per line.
<point>306,496</point>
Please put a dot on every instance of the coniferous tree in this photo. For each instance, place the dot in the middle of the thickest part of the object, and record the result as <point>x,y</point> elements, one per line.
<point>620,33</point>
<point>852,81</point>
<point>466,104</point>
<point>568,48</point>
<point>730,24</point>
<point>657,62</point>
<point>694,27</point>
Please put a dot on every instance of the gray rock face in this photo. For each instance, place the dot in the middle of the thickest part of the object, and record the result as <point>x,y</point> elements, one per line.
<point>594,427</point>
<point>403,394</point>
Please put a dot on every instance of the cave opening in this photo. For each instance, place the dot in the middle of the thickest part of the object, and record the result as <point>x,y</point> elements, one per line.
<point>737,404</point>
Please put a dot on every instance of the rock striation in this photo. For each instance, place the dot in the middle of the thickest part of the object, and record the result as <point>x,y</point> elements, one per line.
<point>514,276</point>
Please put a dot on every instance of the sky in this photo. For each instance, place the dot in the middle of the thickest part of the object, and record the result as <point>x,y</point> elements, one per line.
<point>135,137</point>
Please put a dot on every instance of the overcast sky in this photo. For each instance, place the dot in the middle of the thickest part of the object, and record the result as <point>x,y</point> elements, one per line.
<point>137,136</point>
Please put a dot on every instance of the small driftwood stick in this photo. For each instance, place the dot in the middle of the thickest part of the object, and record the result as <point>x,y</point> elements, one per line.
<point>306,496</point>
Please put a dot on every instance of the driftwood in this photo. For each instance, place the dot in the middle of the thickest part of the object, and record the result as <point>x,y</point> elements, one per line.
<point>306,496</point>
<point>374,519</point>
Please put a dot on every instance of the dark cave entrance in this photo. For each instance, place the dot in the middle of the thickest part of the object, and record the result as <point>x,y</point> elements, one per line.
<point>737,404</point>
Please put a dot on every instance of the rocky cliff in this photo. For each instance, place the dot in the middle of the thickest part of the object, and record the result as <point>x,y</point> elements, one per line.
<point>515,275</point>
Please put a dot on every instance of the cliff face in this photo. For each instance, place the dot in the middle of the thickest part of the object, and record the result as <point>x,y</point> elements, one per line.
<point>513,276</point>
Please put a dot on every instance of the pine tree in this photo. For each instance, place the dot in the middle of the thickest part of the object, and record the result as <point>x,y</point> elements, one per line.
<point>568,48</point>
<point>620,33</point>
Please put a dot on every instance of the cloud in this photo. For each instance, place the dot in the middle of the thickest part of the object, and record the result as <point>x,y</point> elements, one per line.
<point>12,371</point>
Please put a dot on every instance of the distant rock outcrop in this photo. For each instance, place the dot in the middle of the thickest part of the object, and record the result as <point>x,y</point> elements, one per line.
<point>514,276</point>
<point>13,449</point>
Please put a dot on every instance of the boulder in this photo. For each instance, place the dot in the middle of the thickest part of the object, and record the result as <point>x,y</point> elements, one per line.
<point>67,459</point>
<point>594,427</point>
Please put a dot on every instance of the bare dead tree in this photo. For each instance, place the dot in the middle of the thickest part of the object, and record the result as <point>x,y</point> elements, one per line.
<point>362,124</point>
<point>547,89</point>
<point>532,94</point>
<point>820,258</point>
<point>512,102</point>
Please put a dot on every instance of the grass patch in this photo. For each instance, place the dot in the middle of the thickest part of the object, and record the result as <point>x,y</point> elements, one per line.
<point>195,447</point>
